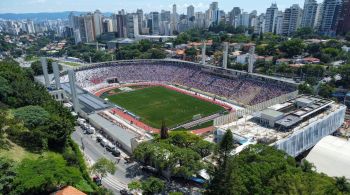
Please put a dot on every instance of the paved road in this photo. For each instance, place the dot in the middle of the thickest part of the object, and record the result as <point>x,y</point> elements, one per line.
<point>93,151</point>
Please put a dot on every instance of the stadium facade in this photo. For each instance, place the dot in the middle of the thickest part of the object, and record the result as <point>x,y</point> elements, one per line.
<point>271,111</point>
<point>293,126</point>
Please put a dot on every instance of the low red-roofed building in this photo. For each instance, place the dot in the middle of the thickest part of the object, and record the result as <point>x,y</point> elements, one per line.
<point>69,190</point>
<point>311,60</point>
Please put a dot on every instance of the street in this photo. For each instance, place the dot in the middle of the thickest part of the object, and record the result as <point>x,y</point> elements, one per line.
<point>93,151</point>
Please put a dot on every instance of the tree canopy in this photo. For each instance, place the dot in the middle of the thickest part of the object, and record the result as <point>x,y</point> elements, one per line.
<point>44,175</point>
<point>262,169</point>
<point>181,153</point>
<point>103,166</point>
<point>152,185</point>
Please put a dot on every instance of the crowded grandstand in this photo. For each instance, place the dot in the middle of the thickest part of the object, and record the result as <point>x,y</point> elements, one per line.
<point>241,89</point>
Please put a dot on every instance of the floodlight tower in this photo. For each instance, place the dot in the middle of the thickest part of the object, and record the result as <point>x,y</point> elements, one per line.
<point>224,60</point>
<point>56,73</point>
<point>45,71</point>
<point>71,75</point>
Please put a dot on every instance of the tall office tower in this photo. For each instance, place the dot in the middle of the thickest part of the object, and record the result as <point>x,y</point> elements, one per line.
<point>279,22</point>
<point>155,23</point>
<point>165,23</point>
<point>89,28</point>
<point>233,16</point>
<point>244,19</point>
<point>214,13</point>
<point>330,15</point>
<point>344,19</point>
<point>253,18</point>
<point>30,27</point>
<point>77,37</point>
<point>309,13</point>
<point>174,19</point>
<point>121,25</point>
<point>291,19</point>
<point>190,11</point>
<point>165,16</point>
<point>71,17</point>
<point>200,20</point>
<point>114,22</point>
<point>270,18</point>
<point>318,17</point>
<point>132,25</point>
<point>107,25</point>
<point>139,13</point>
<point>97,23</point>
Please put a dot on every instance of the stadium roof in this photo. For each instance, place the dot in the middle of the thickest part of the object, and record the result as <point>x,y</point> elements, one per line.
<point>88,102</point>
<point>331,156</point>
<point>271,113</point>
<point>114,130</point>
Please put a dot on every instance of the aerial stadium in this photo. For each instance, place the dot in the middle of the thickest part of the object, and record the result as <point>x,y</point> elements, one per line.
<point>128,101</point>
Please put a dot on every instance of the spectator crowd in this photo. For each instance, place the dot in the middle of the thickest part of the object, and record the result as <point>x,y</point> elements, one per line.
<point>241,89</point>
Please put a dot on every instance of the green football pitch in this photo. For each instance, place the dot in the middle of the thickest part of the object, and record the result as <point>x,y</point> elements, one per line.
<point>155,104</point>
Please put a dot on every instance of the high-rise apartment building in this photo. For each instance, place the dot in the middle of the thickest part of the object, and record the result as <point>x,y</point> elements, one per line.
<point>97,23</point>
<point>89,27</point>
<point>190,11</point>
<point>309,13</point>
<point>291,19</point>
<point>330,15</point>
<point>344,19</point>
<point>270,18</point>
<point>155,23</point>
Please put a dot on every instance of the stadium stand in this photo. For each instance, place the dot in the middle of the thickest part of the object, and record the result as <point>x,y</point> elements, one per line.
<point>241,89</point>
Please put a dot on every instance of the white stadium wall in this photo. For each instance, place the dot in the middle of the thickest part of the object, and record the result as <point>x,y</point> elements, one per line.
<point>309,135</point>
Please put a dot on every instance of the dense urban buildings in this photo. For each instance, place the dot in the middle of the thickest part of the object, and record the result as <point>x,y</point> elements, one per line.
<point>327,18</point>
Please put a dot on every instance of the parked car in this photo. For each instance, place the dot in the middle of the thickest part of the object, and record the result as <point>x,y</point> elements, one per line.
<point>90,130</point>
<point>110,146</point>
<point>81,121</point>
<point>115,152</point>
<point>99,138</point>
<point>104,142</point>
<point>125,192</point>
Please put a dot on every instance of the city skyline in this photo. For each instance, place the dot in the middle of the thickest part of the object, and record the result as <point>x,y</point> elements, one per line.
<point>36,6</point>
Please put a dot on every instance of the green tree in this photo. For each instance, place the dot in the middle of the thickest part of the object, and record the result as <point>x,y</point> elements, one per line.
<point>261,169</point>
<point>37,68</point>
<point>342,185</point>
<point>222,172</point>
<point>225,147</point>
<point>326,90</point>
<point>32,116</point>
<point>347,36</point>
<point>164,131</point>
<point>191,53</point>
<point>304,33</point>
<point>5,88</point>
<point>152,185</point>
<point>292,47</point>
<point>103,166</point>
<point>188,163</point>
<point>135,185</point>
<point>305,88</point>
<point>44,175</point>
<point>7,175</point>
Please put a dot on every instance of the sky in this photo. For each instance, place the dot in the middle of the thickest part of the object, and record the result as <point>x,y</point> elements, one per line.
<point>34,6</point>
